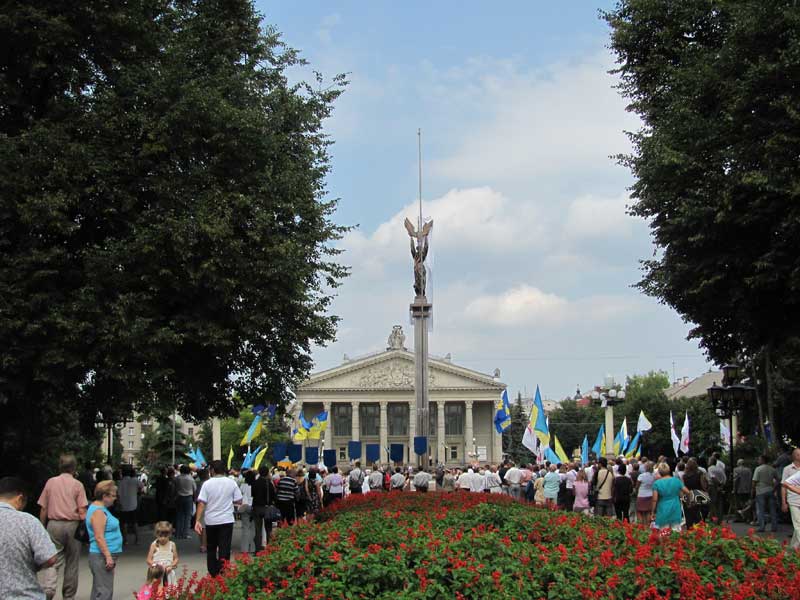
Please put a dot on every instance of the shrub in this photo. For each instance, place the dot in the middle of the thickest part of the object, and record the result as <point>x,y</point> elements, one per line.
<point>405,545</point>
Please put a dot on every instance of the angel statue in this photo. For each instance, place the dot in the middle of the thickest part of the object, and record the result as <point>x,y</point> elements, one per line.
<point>419,251</point>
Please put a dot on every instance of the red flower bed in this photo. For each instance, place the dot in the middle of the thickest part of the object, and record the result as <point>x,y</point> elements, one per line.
<point>406,545</point>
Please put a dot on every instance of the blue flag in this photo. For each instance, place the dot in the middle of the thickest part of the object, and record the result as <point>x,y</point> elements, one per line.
<point>502,415</point>
<point>585,450</point>
<point>199,458</point>
<point>598,443</point>
<point>550,455</point>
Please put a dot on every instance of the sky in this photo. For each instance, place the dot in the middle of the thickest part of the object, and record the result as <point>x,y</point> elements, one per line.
<point>533,255</point>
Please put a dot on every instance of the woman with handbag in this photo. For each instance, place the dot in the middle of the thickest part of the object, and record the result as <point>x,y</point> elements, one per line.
<point>695,481</point>
<point>264,511</point>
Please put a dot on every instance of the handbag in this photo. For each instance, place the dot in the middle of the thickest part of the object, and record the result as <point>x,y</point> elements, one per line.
<point>82,533</point>
<point>272,513</point>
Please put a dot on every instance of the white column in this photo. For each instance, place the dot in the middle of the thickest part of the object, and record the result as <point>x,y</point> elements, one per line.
<point>216,439</point>
<point>412,429</point>
<point>328,442</point>
<point>610,431</point>
<point>468,430</point>
<point>355,426</point>
<point>440,447</point>
<point>383,432</point>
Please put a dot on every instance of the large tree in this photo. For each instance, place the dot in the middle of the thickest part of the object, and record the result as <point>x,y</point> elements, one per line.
<point>165,236</point>
<point>717,165</point>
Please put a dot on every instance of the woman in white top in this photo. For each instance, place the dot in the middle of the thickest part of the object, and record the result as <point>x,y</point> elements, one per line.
<point>644,488</point>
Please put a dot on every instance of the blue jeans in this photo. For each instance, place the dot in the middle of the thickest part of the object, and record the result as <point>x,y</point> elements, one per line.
<point>762,502</point>
<point>184,517</point>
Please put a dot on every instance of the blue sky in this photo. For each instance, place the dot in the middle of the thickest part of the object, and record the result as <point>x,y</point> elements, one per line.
<point>533,253</point>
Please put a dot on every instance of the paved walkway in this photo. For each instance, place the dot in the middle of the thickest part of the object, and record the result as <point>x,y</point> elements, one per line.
<point>131,568</point>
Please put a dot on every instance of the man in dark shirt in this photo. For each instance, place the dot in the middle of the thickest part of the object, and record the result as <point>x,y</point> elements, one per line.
<point>263,496</point>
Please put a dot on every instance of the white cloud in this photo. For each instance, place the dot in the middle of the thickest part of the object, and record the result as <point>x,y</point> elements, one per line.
<point>593,217</point>
<point>327,25</point>
<point>522,305</point>
<point>565,119</point>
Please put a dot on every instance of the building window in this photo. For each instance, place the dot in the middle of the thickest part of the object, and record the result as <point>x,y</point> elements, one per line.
<point>398,419</point>
<point>370,418</point>
<point>454,418</point>
<point>146,422</point>
<point>453,452</point>
<point>342,420</point>
<point>433,411</point>
<point>130,445</point>
<point>130,430</point>
<point>130,460</point>
<point>343,452</point>
<point>190,432</point>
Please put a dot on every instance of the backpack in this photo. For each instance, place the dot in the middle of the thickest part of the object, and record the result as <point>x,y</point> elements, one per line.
<point>356,479</point>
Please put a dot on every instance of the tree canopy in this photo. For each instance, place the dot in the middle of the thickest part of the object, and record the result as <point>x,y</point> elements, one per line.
<point>717,165</point>
<point>165,236</point>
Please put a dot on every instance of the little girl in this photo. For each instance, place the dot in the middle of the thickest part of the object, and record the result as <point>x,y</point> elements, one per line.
<point>149,591</point>
<point>163,552</point>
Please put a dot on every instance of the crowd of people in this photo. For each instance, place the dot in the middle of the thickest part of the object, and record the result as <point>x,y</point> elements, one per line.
<point>104,508</point>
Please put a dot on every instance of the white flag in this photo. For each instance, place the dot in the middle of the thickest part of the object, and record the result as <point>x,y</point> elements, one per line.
<point>676,441</point>
<point>724,435</point>
<point>529,440</point>
<point>643,424</point>
<point>685,435</point>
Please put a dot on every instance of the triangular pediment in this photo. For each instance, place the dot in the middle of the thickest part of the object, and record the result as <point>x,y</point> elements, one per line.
<point>394,370</point>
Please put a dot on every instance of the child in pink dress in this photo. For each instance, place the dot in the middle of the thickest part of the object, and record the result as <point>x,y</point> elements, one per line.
<point>152,589</point>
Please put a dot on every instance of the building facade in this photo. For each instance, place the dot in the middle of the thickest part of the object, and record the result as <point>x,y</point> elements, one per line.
<point>371,400</point>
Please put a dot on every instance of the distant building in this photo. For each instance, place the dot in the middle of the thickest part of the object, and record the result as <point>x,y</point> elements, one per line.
<point>132,433</point>
<point>694,388</point>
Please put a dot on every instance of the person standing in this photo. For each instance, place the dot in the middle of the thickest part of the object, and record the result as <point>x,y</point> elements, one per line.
<point>25,545</point>
<point>742,483</point>
<point>105,540</point>
<point>623,488</point>
<point>355,479</point>
<point>129,492</point>
<point>667,491</point>
<point>513,477</point>
<point>263,496</point>
<point>765,477</point>
<point>185,489</point>
<point>215,506</point>
<point>63,506</point>
<point>552,483</point>
<point>717,479</point>
<point>790,499</point>
<point>604,487</point>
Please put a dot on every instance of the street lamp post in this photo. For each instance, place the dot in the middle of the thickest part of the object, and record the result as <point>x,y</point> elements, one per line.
<point>727,399</point>
<point>607,396</point>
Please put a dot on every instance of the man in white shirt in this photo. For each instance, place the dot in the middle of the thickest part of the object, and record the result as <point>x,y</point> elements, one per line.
<point>513,478</point>
<point>215,506</point>
<point>478,482</point>
<point>790,498</point>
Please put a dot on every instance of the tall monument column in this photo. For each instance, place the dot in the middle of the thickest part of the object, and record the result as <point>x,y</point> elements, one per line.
<point>468,429</point>
<point>421,311</point>
<point>441,446</point>
<point>412,429</point>
<point>384,433</point>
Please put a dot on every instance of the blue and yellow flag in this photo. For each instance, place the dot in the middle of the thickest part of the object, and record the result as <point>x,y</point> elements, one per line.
<point>252,432</point>
<point>502,415</point>
<point>634,446</point>
<point>585,450</point>
<point>230,458</point>
<point>299,434</point>
<point>318,425</point>
<point>600,443</point>
<point>539,420</point>
<point>562,456</point>
<point>259,458</point>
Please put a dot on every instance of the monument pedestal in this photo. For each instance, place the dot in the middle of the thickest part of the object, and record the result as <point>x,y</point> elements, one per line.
<point>421,311</point>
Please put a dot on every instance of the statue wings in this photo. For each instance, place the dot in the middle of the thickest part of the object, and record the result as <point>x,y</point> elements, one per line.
<point>426,229</point>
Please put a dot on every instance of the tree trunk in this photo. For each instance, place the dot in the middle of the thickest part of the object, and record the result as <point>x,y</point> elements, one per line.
<point>759,404</point>
<point>770,392</point>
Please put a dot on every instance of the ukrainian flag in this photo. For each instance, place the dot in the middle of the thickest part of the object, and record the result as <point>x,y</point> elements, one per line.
<point>562,456</point>
<point>502,415</point>
<point>318,425</point>
<point>299,434</point>
<point>539,420</point>
<point>252,432</point>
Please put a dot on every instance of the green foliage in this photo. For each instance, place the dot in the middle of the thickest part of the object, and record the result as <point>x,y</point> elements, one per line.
<point>165,236</point>
<point>717,175</point>
<point>156,449</point>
